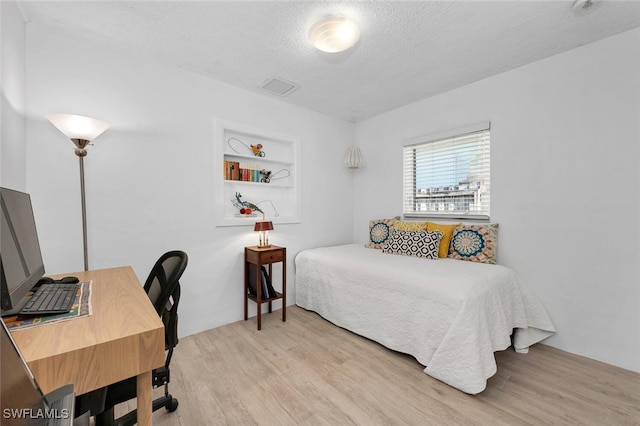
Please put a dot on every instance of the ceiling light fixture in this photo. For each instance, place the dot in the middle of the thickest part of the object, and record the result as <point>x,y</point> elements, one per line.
<point>334,34</point>
<point>582,7</point>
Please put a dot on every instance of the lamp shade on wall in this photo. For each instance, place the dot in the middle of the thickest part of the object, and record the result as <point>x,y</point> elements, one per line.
<point>353,159</point>
<point>77,126</point>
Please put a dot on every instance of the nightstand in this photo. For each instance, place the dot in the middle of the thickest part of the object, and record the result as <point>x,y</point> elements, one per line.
<point>260,256</point>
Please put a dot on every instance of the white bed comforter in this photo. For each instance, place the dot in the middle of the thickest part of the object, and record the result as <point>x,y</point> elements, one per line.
<point>451,315</point>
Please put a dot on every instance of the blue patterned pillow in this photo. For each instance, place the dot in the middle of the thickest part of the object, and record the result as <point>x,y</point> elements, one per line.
<point>414,243</point>
<point>476,243</point>
<point>379,232</point>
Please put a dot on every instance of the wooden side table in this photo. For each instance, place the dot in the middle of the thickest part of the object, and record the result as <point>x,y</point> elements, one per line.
<point>264,256</point>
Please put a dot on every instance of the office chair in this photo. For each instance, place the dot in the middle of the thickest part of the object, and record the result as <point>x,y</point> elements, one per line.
<point>163,288</point>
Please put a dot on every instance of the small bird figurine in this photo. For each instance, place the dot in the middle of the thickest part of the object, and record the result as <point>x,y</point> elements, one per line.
<point>257,150</point>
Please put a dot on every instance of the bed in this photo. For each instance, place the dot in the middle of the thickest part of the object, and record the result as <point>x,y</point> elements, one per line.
<point>451,315</point>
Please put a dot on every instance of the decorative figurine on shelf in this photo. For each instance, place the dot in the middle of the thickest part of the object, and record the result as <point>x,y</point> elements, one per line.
<point>239,147</point>
<point>257,150</point>
<point>266,176</point>
<point>246,208</point>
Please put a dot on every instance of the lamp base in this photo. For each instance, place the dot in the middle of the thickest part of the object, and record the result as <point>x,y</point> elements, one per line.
<point>264,246</point>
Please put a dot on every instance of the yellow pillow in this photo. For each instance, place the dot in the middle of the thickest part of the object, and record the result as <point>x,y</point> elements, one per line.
<point>443,251</point>
<point>410,226</point>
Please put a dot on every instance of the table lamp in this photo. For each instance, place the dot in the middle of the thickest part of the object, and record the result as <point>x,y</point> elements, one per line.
<point>263,229</point>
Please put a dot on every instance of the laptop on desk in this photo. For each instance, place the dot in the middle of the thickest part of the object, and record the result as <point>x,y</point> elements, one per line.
<point>22,402</point>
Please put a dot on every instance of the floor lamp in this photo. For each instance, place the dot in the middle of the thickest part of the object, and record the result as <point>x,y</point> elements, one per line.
<point>81,130</point>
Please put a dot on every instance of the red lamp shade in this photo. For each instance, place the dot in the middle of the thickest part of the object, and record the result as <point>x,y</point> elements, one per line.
<point>263,226</point>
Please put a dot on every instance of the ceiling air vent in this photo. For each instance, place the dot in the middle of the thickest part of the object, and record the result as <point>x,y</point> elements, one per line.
<point>279,87</point>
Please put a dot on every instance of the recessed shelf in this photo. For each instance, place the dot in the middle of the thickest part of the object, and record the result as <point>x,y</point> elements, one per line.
<point>236,172</point>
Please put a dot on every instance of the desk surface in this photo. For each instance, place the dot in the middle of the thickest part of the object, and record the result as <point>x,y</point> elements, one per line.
<point>123,337</point>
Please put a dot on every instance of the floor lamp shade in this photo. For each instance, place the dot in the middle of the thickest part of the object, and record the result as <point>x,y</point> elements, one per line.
<point>77,126</point>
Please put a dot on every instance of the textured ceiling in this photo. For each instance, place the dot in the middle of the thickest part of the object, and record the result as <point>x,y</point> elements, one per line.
<point>407,50</point>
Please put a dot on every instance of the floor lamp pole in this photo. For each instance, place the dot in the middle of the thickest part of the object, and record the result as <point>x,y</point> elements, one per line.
<point>84,215</point>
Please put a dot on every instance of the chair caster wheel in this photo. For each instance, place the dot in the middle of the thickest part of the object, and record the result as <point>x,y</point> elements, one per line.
<point>173,405</point>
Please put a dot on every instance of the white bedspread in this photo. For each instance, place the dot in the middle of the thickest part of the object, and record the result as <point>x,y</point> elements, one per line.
<point>451,315</point>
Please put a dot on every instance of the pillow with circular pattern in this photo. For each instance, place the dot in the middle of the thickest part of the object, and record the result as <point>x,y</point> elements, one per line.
<point>379,232</point>
<point>475,243</point>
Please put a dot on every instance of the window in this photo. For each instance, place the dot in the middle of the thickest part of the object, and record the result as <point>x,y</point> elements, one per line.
<point>447,175</point>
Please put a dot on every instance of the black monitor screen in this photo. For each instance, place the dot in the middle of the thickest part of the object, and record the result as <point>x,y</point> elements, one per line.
<point>21,263</point>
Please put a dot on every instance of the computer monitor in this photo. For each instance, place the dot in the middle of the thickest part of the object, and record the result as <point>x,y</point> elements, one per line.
<point>21,263</point>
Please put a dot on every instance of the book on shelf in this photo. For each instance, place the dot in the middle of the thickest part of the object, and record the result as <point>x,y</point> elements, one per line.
<point>234,170</point>
<point>266,288</point>
<point>252,280</point>
<point>270,290</point>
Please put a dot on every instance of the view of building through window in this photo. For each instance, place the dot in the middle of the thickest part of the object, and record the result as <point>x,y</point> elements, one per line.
<point>448,176</point>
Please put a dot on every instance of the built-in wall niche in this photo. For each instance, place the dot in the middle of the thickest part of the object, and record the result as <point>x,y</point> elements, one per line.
<point>261,167</point>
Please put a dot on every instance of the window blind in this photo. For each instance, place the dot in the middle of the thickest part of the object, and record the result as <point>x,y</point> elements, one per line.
<point>448,177</point>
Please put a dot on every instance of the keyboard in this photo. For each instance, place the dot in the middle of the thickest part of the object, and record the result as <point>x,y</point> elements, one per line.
<point>51,299</point>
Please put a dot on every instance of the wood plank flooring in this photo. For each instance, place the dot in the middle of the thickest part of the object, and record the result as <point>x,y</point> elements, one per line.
<point>309,372</point>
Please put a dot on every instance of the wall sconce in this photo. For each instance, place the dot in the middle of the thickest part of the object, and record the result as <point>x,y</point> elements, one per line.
<point>81,130</point>
<point>353,159</point>
<point>263,229</point>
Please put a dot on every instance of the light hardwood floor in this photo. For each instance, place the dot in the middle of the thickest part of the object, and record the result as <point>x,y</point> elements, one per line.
<point>308,371</point>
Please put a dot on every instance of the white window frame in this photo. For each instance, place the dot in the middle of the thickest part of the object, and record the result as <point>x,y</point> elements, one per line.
<point>460,200</point>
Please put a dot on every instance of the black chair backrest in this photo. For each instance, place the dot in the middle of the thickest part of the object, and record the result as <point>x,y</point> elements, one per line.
<point>163,288</point>
<point>164,279</point>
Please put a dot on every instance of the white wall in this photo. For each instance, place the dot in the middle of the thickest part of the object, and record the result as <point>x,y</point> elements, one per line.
<point>564,130</point>
<point>12,97</point>
<point>565,138</point>
<point>149,177</point>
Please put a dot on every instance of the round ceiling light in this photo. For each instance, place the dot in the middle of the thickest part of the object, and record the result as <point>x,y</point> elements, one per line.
<point>334,34</point>
<point>582,7</point>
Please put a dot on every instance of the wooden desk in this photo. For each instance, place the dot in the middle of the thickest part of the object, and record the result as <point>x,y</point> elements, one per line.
<point>124,337</point>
